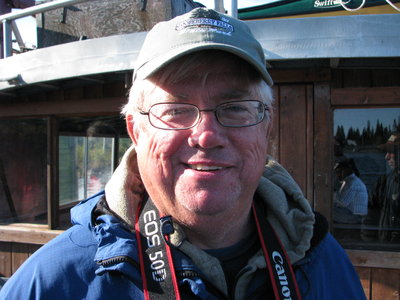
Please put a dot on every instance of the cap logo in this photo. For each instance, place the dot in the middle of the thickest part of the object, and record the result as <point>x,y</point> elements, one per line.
<point>203,21</point>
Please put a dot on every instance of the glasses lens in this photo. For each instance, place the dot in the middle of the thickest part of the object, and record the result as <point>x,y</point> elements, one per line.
<point>240,113</point>
<point>173,115</point>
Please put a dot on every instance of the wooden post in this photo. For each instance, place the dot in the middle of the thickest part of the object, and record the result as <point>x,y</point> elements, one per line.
<point>323,145</point>
<point>52,173</point>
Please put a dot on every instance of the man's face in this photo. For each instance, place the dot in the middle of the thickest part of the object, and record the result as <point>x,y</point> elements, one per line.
<point>392,160</point>
<point>339,174</point>
<point>205,171</point>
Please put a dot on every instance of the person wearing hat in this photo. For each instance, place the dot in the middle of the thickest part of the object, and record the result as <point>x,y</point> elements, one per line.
<point>194,211</point>
<point>385,197</point>
<point>392,149</point>
<point>351,202</point>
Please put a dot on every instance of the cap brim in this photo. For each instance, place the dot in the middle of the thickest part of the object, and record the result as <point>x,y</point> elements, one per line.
<point>389,147</point>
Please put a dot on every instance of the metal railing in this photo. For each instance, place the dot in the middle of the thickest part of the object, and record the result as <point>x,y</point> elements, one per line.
<point>8,20</point>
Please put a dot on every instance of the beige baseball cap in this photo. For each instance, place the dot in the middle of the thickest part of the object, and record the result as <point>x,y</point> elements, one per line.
<point>199,29</point>
<point>393,143</point>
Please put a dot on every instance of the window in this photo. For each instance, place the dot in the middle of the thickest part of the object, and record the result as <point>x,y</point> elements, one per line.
<point>85,165</point>
<point>23,179</point>
<point>89,151</point>
<point>366,197</point>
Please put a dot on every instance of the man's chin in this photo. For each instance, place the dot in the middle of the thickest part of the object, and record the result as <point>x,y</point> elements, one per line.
<point>207,207</point>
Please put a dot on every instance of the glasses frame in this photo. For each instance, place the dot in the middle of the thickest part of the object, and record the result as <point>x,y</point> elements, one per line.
<point>265,107</point>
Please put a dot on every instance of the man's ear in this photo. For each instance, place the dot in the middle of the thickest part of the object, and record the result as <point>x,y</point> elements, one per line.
<point>130,127</point>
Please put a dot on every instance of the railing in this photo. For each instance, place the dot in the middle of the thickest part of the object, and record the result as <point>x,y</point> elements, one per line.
<point>8,20</point>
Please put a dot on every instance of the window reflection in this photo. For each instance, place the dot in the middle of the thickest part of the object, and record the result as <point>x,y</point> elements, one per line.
<point>351,199</point>
<point>23,191</point>
<point>89,150</point>
<point>86,164</point>
<point>366,209</point>
<point>384,200</point>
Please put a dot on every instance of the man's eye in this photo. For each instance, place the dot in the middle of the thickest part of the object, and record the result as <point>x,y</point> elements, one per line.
<point>177,111</point>
<point>235,109</point>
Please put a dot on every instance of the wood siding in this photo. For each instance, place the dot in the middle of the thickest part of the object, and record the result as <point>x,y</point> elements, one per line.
<point>379,283</point>
<point>12,255</point>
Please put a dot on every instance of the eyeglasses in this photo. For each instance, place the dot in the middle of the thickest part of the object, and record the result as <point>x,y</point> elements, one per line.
<point>179,116</point>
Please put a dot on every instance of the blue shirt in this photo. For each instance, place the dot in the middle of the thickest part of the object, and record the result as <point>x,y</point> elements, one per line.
<point>353,195</point>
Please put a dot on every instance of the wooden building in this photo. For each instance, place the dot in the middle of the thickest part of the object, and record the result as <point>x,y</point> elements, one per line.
<point>58,104</point>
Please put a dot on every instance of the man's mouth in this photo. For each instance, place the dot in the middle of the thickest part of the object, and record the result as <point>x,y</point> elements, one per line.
<point>199,167</point>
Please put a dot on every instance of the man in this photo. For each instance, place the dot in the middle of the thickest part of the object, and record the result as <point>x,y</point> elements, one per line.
<point>351,203</point>
<point>385,197</point>
<point>192,212</point>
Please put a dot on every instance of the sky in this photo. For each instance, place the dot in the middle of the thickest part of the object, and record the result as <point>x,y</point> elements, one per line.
<point>240,3</point>
<point>358,118</point>
<point>27,29</point>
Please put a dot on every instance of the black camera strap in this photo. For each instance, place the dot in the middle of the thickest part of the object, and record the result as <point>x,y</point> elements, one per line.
<point>280,270</point>
<point>157,267</point>
<point>156,264</point>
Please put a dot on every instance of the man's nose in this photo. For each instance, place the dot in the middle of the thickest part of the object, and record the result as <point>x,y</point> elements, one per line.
<point>207,133</point>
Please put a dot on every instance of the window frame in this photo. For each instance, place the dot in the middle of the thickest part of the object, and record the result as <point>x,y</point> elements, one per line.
<point>354,97</point>
<point>54,209</point>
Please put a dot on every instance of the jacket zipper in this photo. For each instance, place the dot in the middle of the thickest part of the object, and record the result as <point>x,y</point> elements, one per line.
<point>116,260</point>
<point>210,287</point>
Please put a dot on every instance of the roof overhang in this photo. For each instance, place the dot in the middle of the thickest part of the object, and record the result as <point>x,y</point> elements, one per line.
<point>284,40</point>
<point>361,36</point>
<point>82,58</point>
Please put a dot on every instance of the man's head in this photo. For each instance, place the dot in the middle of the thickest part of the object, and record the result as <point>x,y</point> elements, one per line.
<point>392,149</point>
<point>343,169</point>
<point>201,144</point>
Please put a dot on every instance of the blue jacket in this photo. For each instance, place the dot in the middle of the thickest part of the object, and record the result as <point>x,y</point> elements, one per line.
<point>101,262</point>
<point>97,258</point>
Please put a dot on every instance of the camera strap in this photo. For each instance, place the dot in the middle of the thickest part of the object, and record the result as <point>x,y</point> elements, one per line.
<point>157,267</point>
<point>156,264</point>
<point>280,269</point>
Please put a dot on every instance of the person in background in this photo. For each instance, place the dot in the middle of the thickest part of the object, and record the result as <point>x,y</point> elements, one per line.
<point>193,211</point>
<point>351,201</point>
<point>385,198</point>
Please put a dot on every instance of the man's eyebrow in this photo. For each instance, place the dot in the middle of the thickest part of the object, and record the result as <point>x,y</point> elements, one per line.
<point>176,97</point>
<point>236,94</point>
<point>223,95</point>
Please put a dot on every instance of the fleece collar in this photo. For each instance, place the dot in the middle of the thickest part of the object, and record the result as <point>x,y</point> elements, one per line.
<point>125,189</point>
<point>287,209</point>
